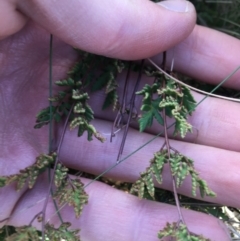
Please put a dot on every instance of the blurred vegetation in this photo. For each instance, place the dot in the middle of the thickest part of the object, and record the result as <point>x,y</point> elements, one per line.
<point>223,15</point>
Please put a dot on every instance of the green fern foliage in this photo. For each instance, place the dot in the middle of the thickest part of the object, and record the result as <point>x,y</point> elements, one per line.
<point>72,101</point>
<point>180,233</point>
<point>24,233</point>
<point>145,183</point>
<point>181,167</point>
<point>72,192</point>
<point>62,233</point>
<point>29,175</point>
<point>177,101</point>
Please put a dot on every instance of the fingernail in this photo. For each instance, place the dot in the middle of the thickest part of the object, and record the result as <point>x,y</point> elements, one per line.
<point>180,6</point>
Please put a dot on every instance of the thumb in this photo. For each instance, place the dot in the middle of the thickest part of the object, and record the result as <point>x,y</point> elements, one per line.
<point>125,29</point>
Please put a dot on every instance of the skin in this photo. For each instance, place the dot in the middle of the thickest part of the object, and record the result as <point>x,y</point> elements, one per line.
<point>214,145</point>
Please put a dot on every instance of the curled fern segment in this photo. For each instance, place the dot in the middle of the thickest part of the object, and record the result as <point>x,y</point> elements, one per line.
<point>178,103</point>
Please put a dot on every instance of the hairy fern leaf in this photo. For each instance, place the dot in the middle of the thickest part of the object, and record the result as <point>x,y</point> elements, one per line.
<point>72,192</point>
<point>157,164</point>
<point>181,167</point>
<point>197,182</point>
<point>178,103</point>
<point>60,175</point>
<point>181,125</point>
<point>140,186</point>
<point>145,182</point>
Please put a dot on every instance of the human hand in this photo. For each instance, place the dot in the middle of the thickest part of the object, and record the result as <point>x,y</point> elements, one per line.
<point>25,63</point>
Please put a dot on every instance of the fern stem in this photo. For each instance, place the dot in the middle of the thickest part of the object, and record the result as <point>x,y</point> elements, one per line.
<point>54,169</point>
<point>167,145</point>
<point>50,178</point>
<point>132,103</point>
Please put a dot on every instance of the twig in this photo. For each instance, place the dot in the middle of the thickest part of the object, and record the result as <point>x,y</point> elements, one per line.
<point>122,107</point>
<point>54,169</point>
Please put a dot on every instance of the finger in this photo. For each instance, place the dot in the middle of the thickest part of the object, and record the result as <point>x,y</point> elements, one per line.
<point>133,219</point>
<point>123,29</point>
<point>11,20</point>
<point>207,55</point>
<point>220,168</point>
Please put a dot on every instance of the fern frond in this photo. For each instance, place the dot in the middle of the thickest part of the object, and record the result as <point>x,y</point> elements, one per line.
<point>145,182</point>
<point>179,103</point>
<point>74,97</point>
<point>30,174</point>
<point>181,125</point>
<point>181,167</point>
